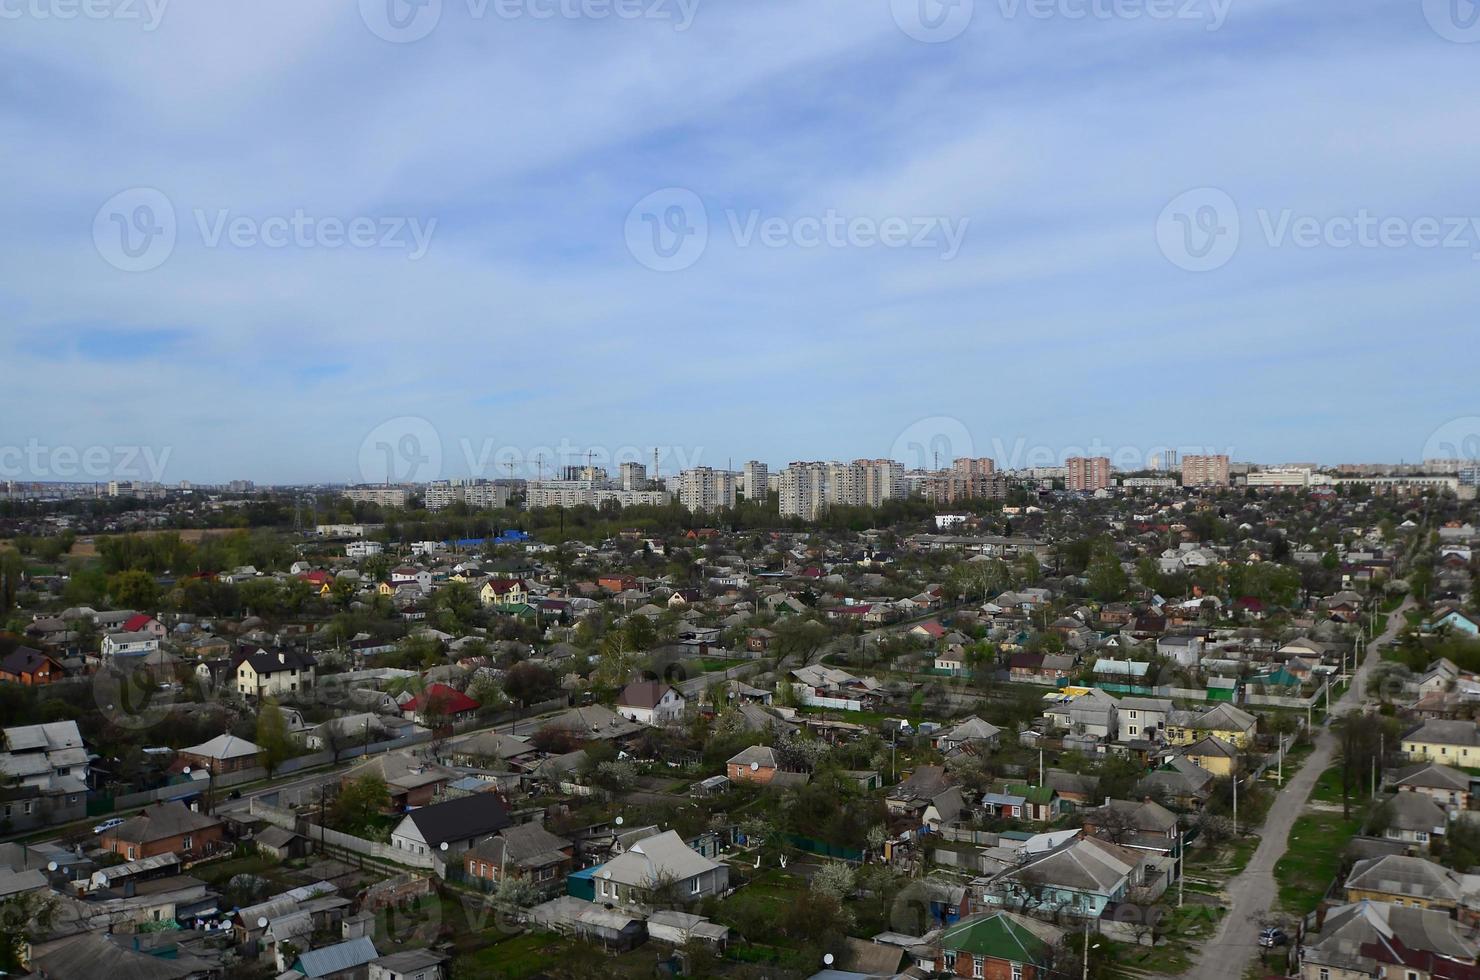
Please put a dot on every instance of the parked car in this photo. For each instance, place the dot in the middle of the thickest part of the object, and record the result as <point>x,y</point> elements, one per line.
<point>108,825</point>
<point>1272,937</point>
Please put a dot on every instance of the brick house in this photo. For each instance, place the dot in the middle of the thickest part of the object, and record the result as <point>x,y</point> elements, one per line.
<point>997,946</point>
<point>165,828</point>
<point>756,764</point>
<point>31,668</point>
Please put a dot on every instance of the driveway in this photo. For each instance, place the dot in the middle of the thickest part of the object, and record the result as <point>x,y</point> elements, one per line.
<point>1252,894</point>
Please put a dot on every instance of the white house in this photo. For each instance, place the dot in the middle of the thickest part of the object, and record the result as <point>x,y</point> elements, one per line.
<point>660,861</point>
<point>117,645</point>
<point>363,549</point>
<point>265,673</point>
<point>650,703</point>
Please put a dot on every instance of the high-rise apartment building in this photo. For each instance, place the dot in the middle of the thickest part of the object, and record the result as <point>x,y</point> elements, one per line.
<point>1087,473</point>
<point>1205,471</point>
<point>803,490</point>
<point>633,476</point>
<point>757,478</point>
<point>704,489</point>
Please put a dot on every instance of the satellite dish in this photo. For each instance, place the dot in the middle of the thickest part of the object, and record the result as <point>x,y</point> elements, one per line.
<point>51,866</point>
<point>619,821</point>
<point>262,922</point>
<point>606,874</point>
<point>755,767</point>
<point>827,959</point>
<point>443,845</point>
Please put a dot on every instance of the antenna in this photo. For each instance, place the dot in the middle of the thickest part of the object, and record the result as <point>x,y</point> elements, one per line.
<point>539,461</point>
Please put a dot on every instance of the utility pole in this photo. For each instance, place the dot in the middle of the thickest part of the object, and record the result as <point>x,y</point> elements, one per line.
<point>1235,797</point>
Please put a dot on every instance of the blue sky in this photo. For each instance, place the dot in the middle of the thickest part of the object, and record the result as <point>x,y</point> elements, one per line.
<point>508,171</point>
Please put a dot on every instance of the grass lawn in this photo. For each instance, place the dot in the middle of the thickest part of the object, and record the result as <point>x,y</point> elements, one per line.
<point>520,956</point>
<point>708,664</point>
<point>220,872</point>
<point>1328,788</point>
<point>1308,867</point>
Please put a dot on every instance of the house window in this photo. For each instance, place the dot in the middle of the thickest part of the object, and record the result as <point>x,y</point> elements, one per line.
<point>1421,836</point>
<point>131,853</point>
<point>1325,974</point>
<point>951,960</point>
<point>694,885</point>
<point>978,967</point>
<point>185,842</point>
<point>1017,971</point>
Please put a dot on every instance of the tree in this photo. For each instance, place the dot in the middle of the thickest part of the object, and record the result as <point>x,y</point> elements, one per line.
<point>274,746</point>
<point>834,879</point>
<point>360,801</point>
<point>24,918</point>
<point>1107,579</point>
<point>530,683</point>
<point>133,590</point>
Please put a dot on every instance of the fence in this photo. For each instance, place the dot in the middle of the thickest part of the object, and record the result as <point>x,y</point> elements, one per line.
<point>334,839</point>
<point>1285,701</point>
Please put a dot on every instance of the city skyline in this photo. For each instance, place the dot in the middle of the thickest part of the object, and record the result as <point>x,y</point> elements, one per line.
<point>506,170</point>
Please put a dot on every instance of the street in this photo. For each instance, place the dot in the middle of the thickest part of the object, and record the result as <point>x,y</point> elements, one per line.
<point>1252,894</point>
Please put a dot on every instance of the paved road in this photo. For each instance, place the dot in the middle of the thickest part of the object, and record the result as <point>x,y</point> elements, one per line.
<point>1253,893</point>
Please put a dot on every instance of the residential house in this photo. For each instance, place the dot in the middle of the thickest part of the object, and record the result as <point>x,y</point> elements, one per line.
<point>410,780</point>
<point>660,870</point>
<point>165,828</point>
<point>756,764</point>
<point>1451,742</point>
<point>1447,787</point>
<point>1082,877</point>
<point>261,673</point>
<point>1093,713</point>
<point>917,790</point>
<point>1141,718</point>
<point>1185,651</point>
<point>1381,940</point>
<point>650,703</point>
<point>504,592</point>
<point>1405,880</point>
<point>1019,801</point>
<point>411,964</point>
<point>1414,819</point>
<point>30,668</point>
<point>128,647</point>
<point>970,732</point>
<point>439,705</point>
<point>221,755</point>
<point>349,960</point>
<point>998,945</point>
<point>526,851</point>
<point>1180,782</point>
<point>1213,754</point>
<point>459,824</point>
<point>1222,720</point>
